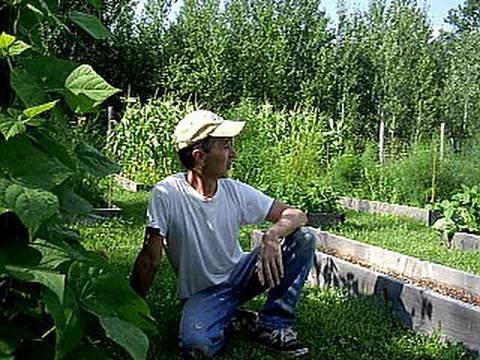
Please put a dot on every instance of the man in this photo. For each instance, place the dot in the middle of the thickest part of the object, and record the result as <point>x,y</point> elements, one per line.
<point>196,217</point>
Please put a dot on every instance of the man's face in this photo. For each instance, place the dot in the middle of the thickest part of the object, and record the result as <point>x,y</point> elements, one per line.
<point>219,158</point>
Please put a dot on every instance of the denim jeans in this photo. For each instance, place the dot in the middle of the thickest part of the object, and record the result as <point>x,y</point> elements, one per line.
<point>207,314</point>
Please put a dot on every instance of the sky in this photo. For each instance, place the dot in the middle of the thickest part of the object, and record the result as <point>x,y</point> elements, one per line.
<point>437,9</point>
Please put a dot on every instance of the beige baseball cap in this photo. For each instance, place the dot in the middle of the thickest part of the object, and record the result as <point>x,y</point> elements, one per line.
<point>200,124</point>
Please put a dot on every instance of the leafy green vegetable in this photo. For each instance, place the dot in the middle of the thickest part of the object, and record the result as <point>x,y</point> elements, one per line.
<point>86,89</point>
<point>461,213</point>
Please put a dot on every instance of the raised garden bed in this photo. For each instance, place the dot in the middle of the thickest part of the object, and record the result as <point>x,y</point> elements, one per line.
<point>465,241</point>
<point>406,236</point>
<point>401,265</point>
<point>428,217</point>
<point>417,308</point>
<point>447,307</point>
<point>131,185</point>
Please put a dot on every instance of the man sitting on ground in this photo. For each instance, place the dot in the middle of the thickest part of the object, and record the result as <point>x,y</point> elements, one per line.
<point>196,216</point>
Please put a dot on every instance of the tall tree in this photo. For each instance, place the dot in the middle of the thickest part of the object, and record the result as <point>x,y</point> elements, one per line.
<point>466,17</point>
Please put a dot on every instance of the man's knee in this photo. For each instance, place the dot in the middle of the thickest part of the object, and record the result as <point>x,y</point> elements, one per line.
<point>305,238</point>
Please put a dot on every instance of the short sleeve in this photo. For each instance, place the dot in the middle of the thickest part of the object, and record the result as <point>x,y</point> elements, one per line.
<point>254,206</point>
<point>158,209</point>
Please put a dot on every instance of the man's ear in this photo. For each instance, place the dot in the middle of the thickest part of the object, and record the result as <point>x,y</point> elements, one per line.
<point>198,155</point>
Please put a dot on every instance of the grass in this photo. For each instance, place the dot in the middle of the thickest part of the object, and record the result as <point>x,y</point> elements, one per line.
<point>406,236</point>
<point>333,324</point>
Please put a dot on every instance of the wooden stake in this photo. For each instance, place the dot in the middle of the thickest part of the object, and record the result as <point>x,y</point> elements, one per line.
<point>434,172</point>
<point>442,140</point>
<point>381,144</point>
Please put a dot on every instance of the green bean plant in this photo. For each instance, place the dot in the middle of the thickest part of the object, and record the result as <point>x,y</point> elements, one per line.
<point>58,300</point>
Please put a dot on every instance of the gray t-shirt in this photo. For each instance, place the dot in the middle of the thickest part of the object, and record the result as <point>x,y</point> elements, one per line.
<point>203,233</point>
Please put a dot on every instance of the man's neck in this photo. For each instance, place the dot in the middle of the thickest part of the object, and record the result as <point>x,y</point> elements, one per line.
<point>205,185</point>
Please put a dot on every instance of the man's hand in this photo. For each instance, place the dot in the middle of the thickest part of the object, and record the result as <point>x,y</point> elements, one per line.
<point>286,220</point>
<point>269,263</point>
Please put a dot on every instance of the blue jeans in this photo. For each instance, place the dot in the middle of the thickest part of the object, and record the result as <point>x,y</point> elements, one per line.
<point>207,314</point>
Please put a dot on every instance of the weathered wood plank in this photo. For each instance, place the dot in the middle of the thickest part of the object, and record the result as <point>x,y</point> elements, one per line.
<point>426,216</point>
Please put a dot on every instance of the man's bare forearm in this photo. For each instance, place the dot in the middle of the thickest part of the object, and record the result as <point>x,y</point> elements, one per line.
<point>290,220</point>
<point>147,263</point>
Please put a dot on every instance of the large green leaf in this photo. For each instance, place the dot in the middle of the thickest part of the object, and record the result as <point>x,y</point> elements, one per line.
<point>49,72</point>
<point>32,206</point>
<point>91,24</point>
<point>52,147</point>
<point>55,253</point>
<point>69,323</point>
<point>72,203</point>
<point>87,89</point>
<point>80,103</point>
<point>27,88</point>
<point>126,335</point>
<point>105,294</point>
<point>94,161</point>
<point>28,165</point>
<point>50,279</point>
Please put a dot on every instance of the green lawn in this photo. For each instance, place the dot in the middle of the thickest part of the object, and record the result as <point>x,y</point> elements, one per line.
<point>333,324</point>
<point>407,236</point>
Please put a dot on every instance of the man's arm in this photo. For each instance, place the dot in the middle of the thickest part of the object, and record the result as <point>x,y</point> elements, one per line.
<point>285,220</point>
<point>147,263</point>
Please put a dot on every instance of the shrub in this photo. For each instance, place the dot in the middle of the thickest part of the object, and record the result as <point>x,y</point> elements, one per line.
<point>346,173</point>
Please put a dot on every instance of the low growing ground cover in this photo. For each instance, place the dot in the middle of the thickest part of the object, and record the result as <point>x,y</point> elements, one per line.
<point>333,324</point>
<point>407,236</point>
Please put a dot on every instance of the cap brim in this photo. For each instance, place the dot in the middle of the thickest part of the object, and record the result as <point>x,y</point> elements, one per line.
<point>228,129</point>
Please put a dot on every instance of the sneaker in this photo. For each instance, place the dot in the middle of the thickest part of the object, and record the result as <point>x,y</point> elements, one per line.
<point>282,341</point>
